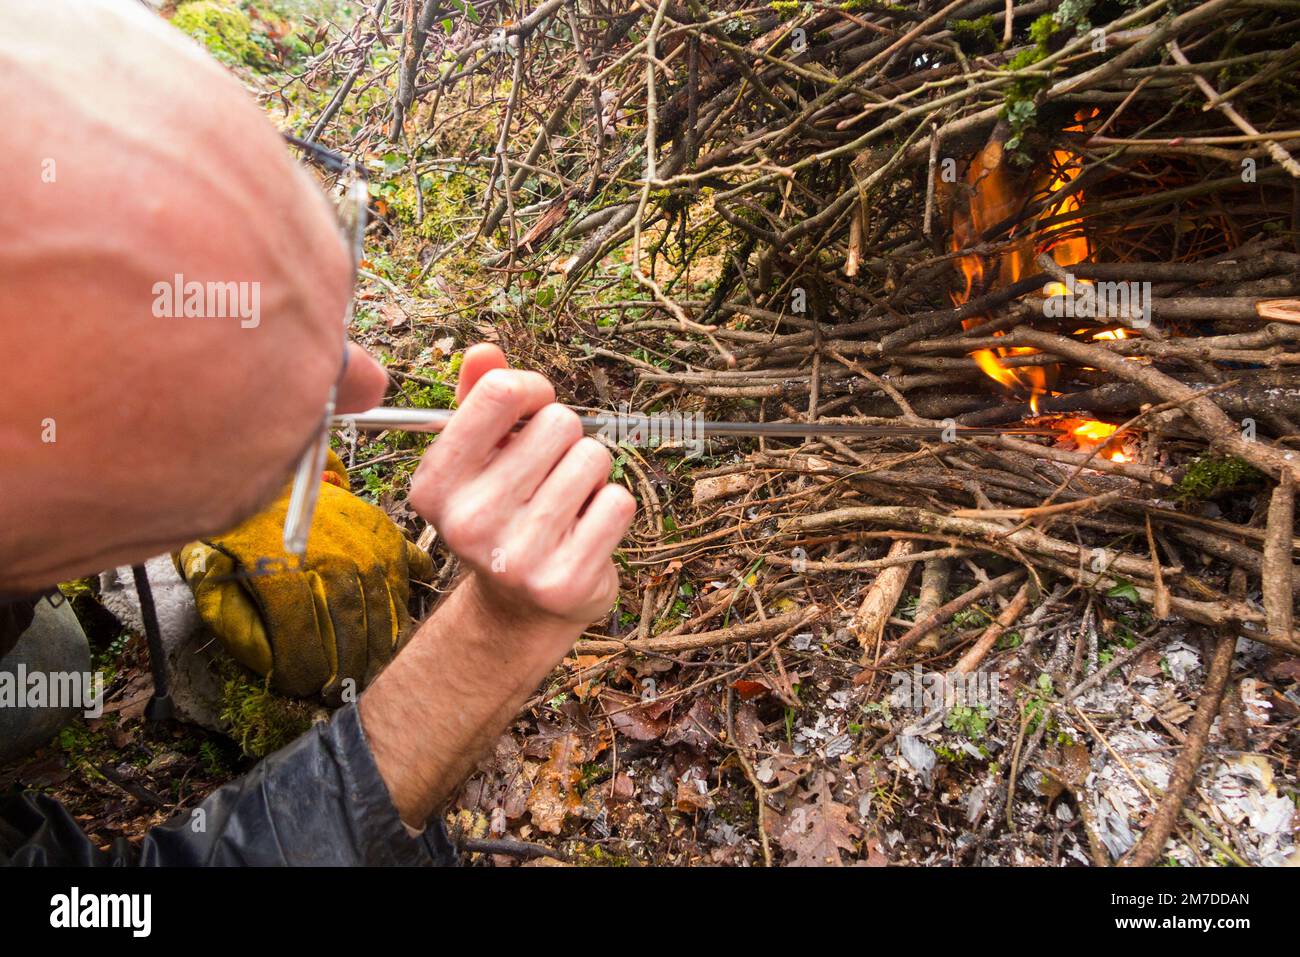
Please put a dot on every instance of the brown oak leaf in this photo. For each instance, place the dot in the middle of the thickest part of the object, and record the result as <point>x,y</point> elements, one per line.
<point>818,828</point>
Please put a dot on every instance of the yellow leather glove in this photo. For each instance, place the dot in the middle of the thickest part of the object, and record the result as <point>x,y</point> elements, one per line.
<point>339,615</point>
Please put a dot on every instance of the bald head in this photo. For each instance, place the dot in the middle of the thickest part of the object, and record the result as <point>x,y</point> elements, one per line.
<point>172,289</point>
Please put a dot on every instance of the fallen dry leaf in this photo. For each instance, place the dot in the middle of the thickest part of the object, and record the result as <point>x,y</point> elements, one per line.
<point>748,727</point>
<point>640,722</point>
<point>692,794</point>
<point>748,690</point>
<point>555,792</point>
<point>816,830</point>
<point>698,729</point>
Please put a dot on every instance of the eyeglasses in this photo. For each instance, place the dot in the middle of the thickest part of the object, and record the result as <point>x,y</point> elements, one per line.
<point>352,213</point>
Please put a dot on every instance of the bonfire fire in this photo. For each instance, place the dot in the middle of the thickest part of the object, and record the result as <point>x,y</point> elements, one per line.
<point>993,198</point>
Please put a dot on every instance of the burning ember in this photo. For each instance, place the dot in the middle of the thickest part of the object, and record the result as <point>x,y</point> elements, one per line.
<point>992,197</point>
<point>1089,434</point>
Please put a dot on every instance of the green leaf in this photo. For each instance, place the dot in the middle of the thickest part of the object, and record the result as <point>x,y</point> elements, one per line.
<point>1125,590</point>
<point>466,9</point>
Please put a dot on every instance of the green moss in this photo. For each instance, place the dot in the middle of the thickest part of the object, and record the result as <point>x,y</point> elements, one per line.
<point>76,739</point>
<point>224,29</point>
<point>1018,108</point>
<point>949,755</point>
<point>972,33</point>
<point>214,760</point>
<point>448,197</point>
<point>259,720</point>
<point>873,5</point>
<point>593,855</point>
<point>973,617</point>
<point>438,395</point>
<point>1026,57</point>
<point>1210,476</point>
<point>1043,29</point>
<point>82,748</point>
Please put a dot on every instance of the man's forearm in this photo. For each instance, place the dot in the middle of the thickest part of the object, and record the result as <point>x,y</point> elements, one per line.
<point>533,514</point>
<point>433,713</point>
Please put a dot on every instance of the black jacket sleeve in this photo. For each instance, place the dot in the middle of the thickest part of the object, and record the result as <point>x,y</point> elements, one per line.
<point>318,801</point>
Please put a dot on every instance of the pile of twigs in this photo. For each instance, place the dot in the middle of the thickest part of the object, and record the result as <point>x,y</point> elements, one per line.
<point>814,146</point>
<point>810,144</point>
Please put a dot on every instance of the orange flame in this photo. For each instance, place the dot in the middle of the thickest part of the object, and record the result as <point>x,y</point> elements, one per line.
<point>1090,434</point>
<point>993,199</point>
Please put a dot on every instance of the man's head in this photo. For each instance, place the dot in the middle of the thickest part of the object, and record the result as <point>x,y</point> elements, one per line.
<point>172,291</point>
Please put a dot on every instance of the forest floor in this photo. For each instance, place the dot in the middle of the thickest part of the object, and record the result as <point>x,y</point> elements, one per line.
<point>778,749</point>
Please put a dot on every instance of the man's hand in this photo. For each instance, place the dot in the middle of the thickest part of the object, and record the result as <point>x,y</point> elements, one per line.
<point>532,514</point>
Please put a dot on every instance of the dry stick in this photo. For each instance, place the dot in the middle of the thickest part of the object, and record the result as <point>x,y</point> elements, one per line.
<point>909,414</point>
<point>705,639</point>
<point>1043,511</point>
<point>985,642</point>
<point>931,178</point>
<point>1160,32</point>
<point>934,583</point>
<point>509,848</point>
<point>1159,591</point>
<point>651,499</point>
<point>1279,62</point>
<point>941,554</point>
<point>1162,595</point>
<point>1277,569</point>
<point>617,30</point>
<point>1148,849</point>
<point>1089,79</point>
<point>1219,429</point>
<point>341,94</point>
<point>501,164</point>
<point>881,598</point>
<point>1026,539</point>
<point>1013,769</point>
<point>919,630</point>
<point>1133,470</point>
<point>1218,613</point>
<point>414,31</point>
<point>1278,154</point>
